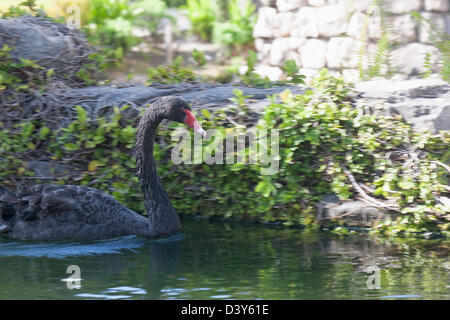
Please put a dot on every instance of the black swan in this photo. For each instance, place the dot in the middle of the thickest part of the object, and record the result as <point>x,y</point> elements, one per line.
<point>59,212</point>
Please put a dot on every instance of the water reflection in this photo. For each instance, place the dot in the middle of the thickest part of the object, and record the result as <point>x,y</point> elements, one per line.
<point>227,261</point>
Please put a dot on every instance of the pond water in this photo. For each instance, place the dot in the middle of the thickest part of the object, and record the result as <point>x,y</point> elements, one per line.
<point>218,260</point>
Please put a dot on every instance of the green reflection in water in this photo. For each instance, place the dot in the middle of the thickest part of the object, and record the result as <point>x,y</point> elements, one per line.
<point>227,260</point>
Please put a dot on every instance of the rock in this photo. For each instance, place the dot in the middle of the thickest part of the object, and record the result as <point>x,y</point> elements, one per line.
<point>285,24</point>
<point>263,49</point>
<point>424,103</point>
<point>265,3</point>
<point>360,5</point>
<point>305,23</point>
<point>403,6</point>
<point>273,73</point>
<point>333,20</point>
<point>266,25</point>
<point>351,75</point>
<point>314,54</point>
<point>404,27</point>
<point>288,5</point>
<point>410,58</point>
<point>202,95</point>
<point>437,5</point>
<point>317,3</point>
<point>51,45</point>
<point>356,25</point>
<point>374,27</point>
<point>349,213</point>
<point>309,73</point>
<point>294,55</point>
<point>439,20</point>
<point>281,47</point>
<point>342,52</point>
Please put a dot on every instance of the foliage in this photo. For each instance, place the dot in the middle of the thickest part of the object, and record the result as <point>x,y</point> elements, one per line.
<point>238,29</point>
<point>172,73</point>
<point>233,27</point>
<point>22,75</point>
<point>111,22</point>
<point>202,15</point>
<point>380,65</point>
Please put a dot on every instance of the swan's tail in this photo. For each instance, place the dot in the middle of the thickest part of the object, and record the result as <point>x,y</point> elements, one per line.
<point>8,209</point>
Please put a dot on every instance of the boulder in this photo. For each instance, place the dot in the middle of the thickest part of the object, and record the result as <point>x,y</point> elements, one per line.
<point>333,20</point>
<point>424,103</point>
<point>265,25</point>
<point>439,20</point>
<point>342,52</point>
<point>305,23</point>
<point>289,5</point>
<point>437,5</point>
<point>51,45</point>
<point>352,213</point>
<point>403,6</point>
<point>404,27</point>
<point>410,58</point>
<point>314,54</point>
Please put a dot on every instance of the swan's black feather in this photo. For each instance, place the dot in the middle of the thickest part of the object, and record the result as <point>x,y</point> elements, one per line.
<point>50,212</point>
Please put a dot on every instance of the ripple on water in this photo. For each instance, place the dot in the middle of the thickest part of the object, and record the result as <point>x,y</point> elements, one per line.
<point>61,250</point>
<point>402,296</point>
<point>108,294</point>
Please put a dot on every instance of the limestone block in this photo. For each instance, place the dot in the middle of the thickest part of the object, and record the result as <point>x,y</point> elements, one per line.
<point>351,75</point>
<point>404,28</point>
<point>305,23</point>
<point>314,54</point>
<point>266,25</point>
<point>263,49</point>
<point>309,73</point>
<point>374,27</point>
<point>360,5</point>
<point>437,5</point>
<point>438,19</point>
<point>294,55</point>
<point>317,3</point>
<point>285,21</point>
<point>410,58</point>
<point>333,20</point>
<point>281,46</point>
<point>403,6</point>
<point>356,25</point>
<point>342,52</point>
<point>273,73</point>
<point>289,5</point>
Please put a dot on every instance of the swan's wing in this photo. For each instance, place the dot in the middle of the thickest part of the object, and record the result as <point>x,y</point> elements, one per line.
<point>65,203</point>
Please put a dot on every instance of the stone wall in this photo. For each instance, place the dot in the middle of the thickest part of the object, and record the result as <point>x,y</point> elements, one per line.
<point>342,35</point>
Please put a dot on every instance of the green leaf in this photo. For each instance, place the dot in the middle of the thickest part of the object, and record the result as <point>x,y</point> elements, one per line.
<point>206,114</point>
<point>71,146</point>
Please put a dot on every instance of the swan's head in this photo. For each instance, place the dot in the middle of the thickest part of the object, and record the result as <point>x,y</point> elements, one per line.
<point>179,110</point>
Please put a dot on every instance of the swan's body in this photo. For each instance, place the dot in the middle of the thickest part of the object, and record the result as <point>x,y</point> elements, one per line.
<point>52,212</point>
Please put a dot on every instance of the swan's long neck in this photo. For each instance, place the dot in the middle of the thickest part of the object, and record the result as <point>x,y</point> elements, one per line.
<point>162,217</point>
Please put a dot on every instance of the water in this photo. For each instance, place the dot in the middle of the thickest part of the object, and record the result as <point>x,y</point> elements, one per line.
<point>214,260</point>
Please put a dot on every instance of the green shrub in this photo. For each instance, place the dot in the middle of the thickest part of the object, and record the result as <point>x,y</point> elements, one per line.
<point>237,30</point>
<point>202,14</point>
<point>111,22</point>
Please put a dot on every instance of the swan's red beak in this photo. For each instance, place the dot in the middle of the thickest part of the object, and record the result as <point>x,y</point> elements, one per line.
<point>193,123</point>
